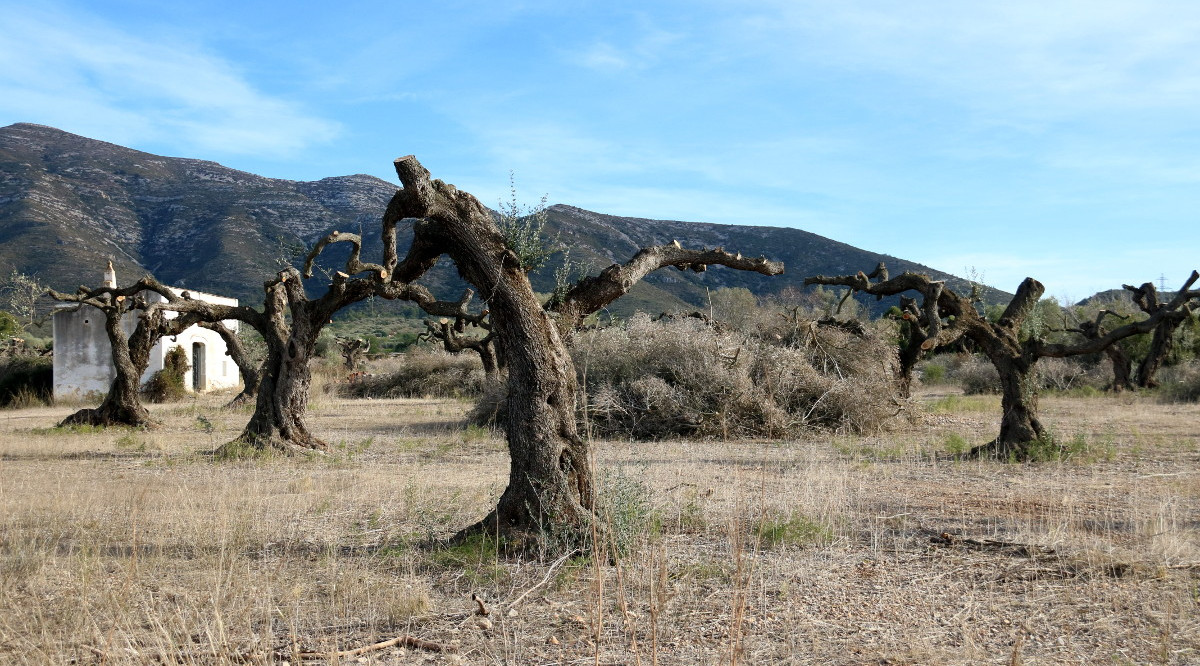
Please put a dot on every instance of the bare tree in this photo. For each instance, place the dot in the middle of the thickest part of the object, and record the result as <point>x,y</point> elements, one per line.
<point>290,324</point>
<point>130,353</point>
<point>918,321</point>
<point>951,317</point>
<point>22,295</point>
<point>1122,366</point>
<point>451,331</point>
<point>550,479</point>
<point>1178,309</point>
<point>352,350</point>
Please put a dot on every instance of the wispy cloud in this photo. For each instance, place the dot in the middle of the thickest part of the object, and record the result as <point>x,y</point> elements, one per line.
<point>1042,59</point>
<point>641,45</point>
<point>82,74</point>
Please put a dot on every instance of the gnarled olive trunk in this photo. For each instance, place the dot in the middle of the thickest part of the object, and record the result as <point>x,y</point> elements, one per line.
<point>550,479</point>
<point>1161,344</point>
<point>130,356</point>
<point>1168,316</point>
<point>909,356</point>
<point>1122,369</point>
<point>282,400</point>
<point>286,379</point>
<point>1019,425</point>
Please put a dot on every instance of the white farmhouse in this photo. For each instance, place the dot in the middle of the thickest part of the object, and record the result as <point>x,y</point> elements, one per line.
<point>83,357</point>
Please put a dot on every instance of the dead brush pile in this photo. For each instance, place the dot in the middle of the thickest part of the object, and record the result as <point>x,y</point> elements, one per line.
<point>650,380</point>
<point>422,372</point>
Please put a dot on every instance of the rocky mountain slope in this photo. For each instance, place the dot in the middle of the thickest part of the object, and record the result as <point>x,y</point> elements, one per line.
<point>68,203</point>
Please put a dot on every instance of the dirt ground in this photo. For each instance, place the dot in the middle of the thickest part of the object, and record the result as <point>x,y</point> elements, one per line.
<point>137,547</point>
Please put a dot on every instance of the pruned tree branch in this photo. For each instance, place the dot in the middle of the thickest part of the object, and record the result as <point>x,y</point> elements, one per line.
<point>353,264</point>
<point>927,330</point>
<point>591,294</point>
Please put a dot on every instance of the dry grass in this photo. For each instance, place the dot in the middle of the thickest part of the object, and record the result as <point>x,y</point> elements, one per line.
<point>126,547</point>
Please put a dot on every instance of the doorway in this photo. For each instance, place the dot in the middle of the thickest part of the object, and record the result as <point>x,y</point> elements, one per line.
<point>199,378</point>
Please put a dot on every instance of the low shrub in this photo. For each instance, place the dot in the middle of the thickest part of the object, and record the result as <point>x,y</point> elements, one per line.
<point>793,530</point>
<point>26,381</point>
<point>1181,383</point>
<point>1072,375</point>
<point>933,373</point>
<point>491,408</point>
<point>168,384</point>
<point>976,375</point>
<point>626,505</point>
<point>422,372</point>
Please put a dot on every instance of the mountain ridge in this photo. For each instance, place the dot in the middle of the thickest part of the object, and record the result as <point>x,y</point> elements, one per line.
<point>68,203</point>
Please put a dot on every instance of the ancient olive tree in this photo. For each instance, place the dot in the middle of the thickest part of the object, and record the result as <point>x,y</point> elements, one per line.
<point>950,316</point>
<point>352,350</point>
<point>130,350</point>
<point>453,329</point>
<point>550,480</point>
<point>452,223</point>
<point>918,321</point>
<point>289,323</point>
<point>1176,310</point>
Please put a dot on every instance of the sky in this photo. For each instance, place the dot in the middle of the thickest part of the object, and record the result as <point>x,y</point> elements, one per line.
<point>1056,139</point>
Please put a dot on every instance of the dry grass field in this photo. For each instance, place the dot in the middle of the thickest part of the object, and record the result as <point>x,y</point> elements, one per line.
<point>132,547</point>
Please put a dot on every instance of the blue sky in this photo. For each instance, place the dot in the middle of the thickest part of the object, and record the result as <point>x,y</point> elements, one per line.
<point>1055,139</point>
